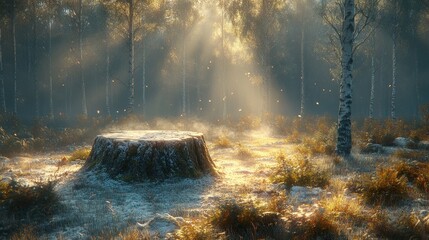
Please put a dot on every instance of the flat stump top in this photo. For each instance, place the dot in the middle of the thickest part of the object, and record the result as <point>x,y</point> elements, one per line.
<point>151,135</point>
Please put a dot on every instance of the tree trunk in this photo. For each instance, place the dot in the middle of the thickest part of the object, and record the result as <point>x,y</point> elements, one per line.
<point>108,86</point>
<point>34,59</point>
<point>82,78</point>
<point>2,92</point>
<point>372,96</point>
<point>302,67</point>
<point>131,58</point>
<point>184,76</point>
<point>51,100</point>
<point>344,140</point>
<point>15,90</point>
<point>144,77</point>
<point>393,97</point>
<point>139,156</point>
<point>225,98</point>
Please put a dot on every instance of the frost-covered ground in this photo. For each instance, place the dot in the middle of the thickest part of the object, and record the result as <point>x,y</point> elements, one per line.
<point>94,203</point>
<point>97,205</point>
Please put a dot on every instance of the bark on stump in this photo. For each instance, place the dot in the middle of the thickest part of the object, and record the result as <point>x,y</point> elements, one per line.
<point>150,155</point>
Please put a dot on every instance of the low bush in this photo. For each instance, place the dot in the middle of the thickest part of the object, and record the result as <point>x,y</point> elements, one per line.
<point>298,172</point>
<point>79,154</point>
<point>243,152</point>
<point>223,142</point>
<point>386,187</point>
<point>34,202</point>
<point>406,226</point>
<point>416,173</point>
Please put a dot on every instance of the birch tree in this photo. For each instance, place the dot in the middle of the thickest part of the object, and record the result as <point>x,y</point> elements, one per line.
<point>344,139</point>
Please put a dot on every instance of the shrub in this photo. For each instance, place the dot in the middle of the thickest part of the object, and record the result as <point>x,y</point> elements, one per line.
<point>298,172</point>
<point>243,151</point>
<point>80,154</point>
<point>386,187</point>
<point>25,233</point>
<point>243,219</point>
<point>406,226</point>
<point>411,155</point>
<point>223,142</point>
<point>417,173</point>
<point>38,201</point>
<point>316,226</point>
<point>249,123</point>
<point>340,205</point>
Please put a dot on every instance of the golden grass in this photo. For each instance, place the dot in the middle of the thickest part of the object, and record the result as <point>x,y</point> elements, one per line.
<point>298,171</point>
<point>79,154</point>
<point>223,142</point>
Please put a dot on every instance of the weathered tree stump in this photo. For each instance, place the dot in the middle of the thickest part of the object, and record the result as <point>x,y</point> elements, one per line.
<point>150,155</point>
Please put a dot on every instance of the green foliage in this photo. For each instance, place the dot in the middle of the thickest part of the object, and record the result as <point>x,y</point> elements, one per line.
<point>298,172</point>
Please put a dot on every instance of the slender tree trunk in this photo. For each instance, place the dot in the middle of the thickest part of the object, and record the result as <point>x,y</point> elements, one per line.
<point>344,140</point>
<point>15,90</point>
<point>184,76</point>
<point>393,97</point>
<point>131,57</point>
<point>416,76</point>
<point>108,86</point>
<point>2,92</point>
<point>372,96</point>
<point>302,68</point>
<point>51,101</point>
<point>224,91</point>
<point>34,59</point>
<point>82,78</point>
<point>144,76</point>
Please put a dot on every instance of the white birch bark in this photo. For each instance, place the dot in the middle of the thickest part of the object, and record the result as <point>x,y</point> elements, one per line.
<point>2,93</point>
<point>344,140</point>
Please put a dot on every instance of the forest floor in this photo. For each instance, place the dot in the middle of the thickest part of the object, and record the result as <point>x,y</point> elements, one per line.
<point>95,206</point>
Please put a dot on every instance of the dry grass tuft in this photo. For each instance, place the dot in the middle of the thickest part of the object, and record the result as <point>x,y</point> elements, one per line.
<point>223,142</point>
<point>34,202</point>
<point>299,172</point>
<point>340,206</point>
<point>80,154</point>
<point>416,173</point>
<point>386,187</point>
<point>244,152</point>
<point>25,233</point>
<point>406,226</point>
<point>411,155</point>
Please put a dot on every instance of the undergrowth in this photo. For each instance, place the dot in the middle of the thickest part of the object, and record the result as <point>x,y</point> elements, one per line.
<point>298,171</point>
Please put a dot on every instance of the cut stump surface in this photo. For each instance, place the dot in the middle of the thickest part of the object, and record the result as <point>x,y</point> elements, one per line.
<point>151,155</point>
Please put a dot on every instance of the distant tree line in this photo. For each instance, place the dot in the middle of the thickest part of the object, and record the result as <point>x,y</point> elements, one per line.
<point>68,58</point>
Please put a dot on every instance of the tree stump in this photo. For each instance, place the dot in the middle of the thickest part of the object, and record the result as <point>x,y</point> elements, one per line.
<point>138,156</point>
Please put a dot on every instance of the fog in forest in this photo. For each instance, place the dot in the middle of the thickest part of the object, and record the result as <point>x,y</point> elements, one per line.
<point>212,60</point>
